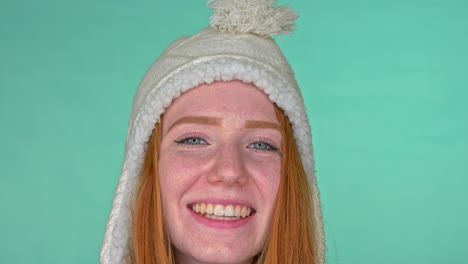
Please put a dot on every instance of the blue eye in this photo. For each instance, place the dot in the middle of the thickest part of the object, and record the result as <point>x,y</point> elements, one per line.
<point>191,141</point>
<point>262,146</point>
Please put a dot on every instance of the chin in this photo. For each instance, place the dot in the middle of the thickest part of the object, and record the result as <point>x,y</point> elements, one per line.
<point>216,256</point>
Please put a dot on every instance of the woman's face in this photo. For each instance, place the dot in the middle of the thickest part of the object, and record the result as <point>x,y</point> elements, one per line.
<point>219,168</point>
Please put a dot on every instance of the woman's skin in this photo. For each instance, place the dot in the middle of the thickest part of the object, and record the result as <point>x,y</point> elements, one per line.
<point>221,148</point>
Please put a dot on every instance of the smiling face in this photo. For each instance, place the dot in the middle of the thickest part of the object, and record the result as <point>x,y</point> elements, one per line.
<point>219,169</point>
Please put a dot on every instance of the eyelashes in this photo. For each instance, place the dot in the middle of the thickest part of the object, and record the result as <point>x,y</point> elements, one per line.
<point>259,144</point>
<point>191,140</point>
<point>262,144</point>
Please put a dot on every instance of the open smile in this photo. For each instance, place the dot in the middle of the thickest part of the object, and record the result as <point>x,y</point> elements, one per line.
<point>228,212</point>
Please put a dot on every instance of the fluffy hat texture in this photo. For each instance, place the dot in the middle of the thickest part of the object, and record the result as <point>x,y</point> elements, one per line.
<point>209,56</point>
<point>260,17</point>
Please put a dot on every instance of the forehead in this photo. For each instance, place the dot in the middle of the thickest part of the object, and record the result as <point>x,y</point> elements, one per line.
<point>225,100</point>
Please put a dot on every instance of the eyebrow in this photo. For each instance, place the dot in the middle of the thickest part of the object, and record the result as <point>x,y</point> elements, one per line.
<point>261,124</point>
<point>214,121</point>
<point>203,120</point>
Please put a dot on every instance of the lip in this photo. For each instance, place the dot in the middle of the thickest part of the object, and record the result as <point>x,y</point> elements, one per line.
<point>221,224</point>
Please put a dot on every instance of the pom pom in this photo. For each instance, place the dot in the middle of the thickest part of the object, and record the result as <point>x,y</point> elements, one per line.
<point>260,17</point>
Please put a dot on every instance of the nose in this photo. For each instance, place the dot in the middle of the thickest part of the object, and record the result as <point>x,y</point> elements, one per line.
<point>228,168</point>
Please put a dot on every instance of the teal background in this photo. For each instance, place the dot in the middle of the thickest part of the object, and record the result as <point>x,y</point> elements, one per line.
<point>385,83</point>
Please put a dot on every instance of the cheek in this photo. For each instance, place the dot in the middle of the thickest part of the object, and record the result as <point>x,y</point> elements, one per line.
<point>170,181</point>
<point>177,174</point>
<point>266,176</point>
<point>175,180</point>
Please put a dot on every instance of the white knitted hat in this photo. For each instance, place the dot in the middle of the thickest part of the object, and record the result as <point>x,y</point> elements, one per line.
<point>237,46</point>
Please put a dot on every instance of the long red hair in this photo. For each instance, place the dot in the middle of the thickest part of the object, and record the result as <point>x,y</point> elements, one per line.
<point>291,238</point>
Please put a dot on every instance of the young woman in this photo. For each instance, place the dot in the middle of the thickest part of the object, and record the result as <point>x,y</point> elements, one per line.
<point>218,165</point>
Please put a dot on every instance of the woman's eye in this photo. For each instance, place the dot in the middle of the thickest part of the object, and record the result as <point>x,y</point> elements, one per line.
<point>191,141</point>
<point>262,146</point>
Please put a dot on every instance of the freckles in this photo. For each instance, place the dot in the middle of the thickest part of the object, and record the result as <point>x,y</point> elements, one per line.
<point>182,171</point>
<point>270,169</point>
<point>274,177</point>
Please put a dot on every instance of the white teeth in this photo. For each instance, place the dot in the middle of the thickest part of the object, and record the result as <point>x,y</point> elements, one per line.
<point>238,211</point>
<point>221,212</point>
<point>202,208</point>
<point>218,210</point>
<point>229,210</point>
<point>209,209</point>
<point>244,212</point>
